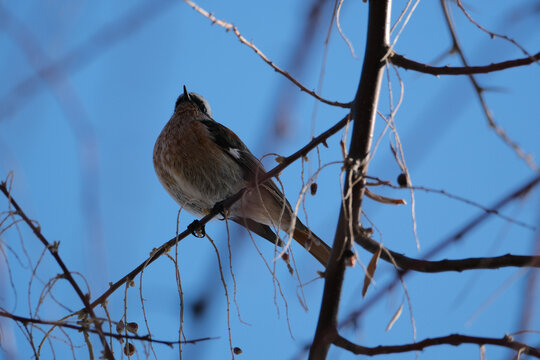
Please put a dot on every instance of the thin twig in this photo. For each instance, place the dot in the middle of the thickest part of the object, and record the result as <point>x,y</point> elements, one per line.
<point>458,235</point>
<point>26,320</point>
<point>459,198</point>
<point>490,33</point>
<point>228,27</point>
<point>226,294</point>
<point>480,93</point>
<point>343,36</point>
<point>53,250</point>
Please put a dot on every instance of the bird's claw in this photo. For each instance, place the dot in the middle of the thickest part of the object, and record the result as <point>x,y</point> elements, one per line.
<point>219,208</point>
<point>197,229</point>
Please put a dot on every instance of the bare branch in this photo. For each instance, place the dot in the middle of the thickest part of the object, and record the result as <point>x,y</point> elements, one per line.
<point>480,93</point>
<point>490,33</point>
<point>343,36</point>
<point>402,61</point>
<point>363,113</point>
<point>228,26</point>
<point>454,339</point>
<point>407,263</point>
<point>516,194</point>
<point>26,320</point>
<point>53,250</point>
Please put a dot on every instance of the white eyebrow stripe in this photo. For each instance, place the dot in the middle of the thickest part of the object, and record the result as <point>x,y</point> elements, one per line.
<point>234,152</point>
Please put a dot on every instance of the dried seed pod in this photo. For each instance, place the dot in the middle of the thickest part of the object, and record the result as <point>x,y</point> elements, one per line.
<point>129,349</point>
<point>402,180</point>
<point>132,327</point>
<point>313,188</point>
<point>120,327</point>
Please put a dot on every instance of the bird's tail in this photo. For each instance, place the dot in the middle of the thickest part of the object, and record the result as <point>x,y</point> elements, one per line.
<point>312,243</point>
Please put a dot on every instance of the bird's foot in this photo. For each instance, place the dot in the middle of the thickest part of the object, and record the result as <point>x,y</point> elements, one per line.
<point>197,229</point>
<point>219,208</point>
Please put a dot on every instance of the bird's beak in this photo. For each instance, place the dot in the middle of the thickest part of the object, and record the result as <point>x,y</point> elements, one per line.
<point>186,94</point>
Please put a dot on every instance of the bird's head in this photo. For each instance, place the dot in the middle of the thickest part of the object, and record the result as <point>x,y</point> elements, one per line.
<point>193,99</point>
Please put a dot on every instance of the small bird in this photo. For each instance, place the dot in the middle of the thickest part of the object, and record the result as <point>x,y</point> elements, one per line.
<point>201,163</point>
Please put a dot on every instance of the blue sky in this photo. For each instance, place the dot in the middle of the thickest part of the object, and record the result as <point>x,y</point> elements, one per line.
<point>79,145</point>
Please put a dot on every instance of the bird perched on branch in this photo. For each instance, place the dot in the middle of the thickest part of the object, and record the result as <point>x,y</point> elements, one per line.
<point>201,163</point>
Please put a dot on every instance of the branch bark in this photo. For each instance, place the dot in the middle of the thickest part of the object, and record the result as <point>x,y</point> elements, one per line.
<point>403,62</point>
<point>454,339</point>
<point>363,114</point>
<point>427,266</point>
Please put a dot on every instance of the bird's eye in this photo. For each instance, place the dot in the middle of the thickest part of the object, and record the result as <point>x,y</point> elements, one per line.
<point>203,108</point>
<point>200,104</point>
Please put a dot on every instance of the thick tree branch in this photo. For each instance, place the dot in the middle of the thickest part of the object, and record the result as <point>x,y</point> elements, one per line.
<point>53,250</point>
<point>363,114</point>
<point>454,339</point>
<point>402,61</point>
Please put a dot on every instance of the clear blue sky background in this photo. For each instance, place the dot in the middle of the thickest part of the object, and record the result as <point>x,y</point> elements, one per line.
<point>79,145</point>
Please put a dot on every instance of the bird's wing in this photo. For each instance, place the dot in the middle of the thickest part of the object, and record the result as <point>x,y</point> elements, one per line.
<point>236,149</point>
<point>252,167</point>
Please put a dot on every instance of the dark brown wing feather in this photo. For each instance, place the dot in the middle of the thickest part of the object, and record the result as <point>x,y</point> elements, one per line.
<point>237,150</point>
